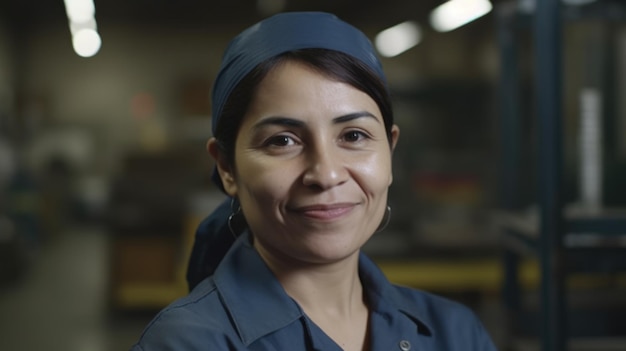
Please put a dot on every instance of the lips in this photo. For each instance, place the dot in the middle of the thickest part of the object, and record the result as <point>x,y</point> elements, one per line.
<point>325,211</point>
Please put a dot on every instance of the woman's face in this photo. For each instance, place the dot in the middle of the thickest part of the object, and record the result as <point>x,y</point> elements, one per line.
<point>312,167</point>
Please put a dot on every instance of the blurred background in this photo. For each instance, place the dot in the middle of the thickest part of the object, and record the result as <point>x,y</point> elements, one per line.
<point>105,112</point>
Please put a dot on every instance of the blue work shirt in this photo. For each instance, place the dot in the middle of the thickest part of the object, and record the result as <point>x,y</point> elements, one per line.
<point>244,307</point>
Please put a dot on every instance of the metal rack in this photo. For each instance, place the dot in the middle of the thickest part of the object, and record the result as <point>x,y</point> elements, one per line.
<point>565,240</point>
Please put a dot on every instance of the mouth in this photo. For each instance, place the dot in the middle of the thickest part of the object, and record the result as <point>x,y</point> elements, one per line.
<point>325,211</point>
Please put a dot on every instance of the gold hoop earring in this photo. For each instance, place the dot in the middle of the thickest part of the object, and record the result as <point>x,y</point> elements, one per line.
<point>233,212</point>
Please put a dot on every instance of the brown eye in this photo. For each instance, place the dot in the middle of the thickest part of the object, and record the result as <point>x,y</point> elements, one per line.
<point>280,140</point>
<point>353,136</point>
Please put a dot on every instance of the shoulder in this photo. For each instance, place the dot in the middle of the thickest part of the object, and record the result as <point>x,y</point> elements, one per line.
<point>197,321</point>
<point>449,321</point>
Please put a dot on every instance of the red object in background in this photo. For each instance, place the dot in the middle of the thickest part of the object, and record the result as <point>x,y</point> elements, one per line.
<point>142,105</point>
<point>446,188</point>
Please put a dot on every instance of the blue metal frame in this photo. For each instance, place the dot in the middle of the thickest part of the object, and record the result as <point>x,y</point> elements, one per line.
<point>548,37</point>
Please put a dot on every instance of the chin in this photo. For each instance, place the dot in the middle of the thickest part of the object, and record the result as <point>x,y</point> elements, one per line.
<point>329,250</point>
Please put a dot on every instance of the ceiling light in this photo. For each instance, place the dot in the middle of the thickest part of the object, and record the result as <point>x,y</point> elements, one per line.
<point>86,42</point>
<point>79,11</point>
<point>456,13</point>
<point>397,39</point>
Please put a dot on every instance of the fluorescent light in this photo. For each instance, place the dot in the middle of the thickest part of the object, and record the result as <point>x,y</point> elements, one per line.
<point>456,13</point>
<point>90,24</point>
<point>85,38</point>
<point>86,42</point>
<point>397,39</point>
<point>79,11</point>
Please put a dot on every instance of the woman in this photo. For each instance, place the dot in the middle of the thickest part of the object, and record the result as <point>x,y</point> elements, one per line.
<point>303,137</point>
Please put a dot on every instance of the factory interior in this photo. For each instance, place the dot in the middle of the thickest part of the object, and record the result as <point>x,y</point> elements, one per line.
<point>508,189</point>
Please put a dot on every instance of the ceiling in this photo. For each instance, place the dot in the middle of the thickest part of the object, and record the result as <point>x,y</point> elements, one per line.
<point>24,15</point>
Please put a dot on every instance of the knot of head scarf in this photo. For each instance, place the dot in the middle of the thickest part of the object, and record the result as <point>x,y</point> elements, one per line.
<point>282,33</point>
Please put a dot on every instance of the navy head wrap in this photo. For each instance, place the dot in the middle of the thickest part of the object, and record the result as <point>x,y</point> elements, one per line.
<point>282,33</point>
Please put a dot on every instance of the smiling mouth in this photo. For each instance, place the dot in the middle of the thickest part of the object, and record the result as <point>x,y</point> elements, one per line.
<point>325,212</point>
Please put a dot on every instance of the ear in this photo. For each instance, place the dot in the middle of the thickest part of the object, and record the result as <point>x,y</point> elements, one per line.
<point>224,168</point>
<point>395,134</point>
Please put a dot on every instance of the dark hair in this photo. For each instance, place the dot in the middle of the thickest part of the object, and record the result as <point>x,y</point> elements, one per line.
<point>334,64</point>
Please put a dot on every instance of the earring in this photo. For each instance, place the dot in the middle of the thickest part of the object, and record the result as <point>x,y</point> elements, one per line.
<point>385,222</point>
<point>233,212</point>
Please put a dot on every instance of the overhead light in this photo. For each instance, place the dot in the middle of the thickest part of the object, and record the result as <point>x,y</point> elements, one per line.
<point>86,42</point>
<point>397,39</point>
<point>456,13</point>
<point>79,11</point>
<point>85,38</point>
<point>90,24</point>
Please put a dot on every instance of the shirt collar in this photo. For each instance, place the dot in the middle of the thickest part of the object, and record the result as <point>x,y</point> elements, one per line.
<point>256,301</point>
<point>386,298</point>
<point>251,293</point>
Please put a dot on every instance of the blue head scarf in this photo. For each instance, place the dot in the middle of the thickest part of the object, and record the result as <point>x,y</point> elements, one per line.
<point>271,37</point>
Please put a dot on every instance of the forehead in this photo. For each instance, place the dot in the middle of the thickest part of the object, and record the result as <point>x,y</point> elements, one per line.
<point>297,88</point>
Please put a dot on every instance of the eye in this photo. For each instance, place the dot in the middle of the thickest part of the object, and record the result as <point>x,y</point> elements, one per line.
<point>280,140</point>
<point>354,136</point>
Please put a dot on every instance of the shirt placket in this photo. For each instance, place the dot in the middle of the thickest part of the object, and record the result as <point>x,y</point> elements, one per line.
<point>395,333</point>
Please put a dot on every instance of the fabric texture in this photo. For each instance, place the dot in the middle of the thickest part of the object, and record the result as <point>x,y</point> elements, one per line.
<point>244,307</point>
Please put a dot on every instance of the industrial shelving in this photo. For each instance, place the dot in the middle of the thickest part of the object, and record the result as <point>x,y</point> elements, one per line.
<point>564,237</point>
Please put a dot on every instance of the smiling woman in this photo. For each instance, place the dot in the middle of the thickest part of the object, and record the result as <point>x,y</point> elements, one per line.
<point>303,142</point>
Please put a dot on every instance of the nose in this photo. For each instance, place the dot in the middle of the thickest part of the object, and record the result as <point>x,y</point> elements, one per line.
<point>325,168</point>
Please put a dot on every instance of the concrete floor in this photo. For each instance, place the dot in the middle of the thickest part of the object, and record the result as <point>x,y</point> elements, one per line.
<point>60,304</point>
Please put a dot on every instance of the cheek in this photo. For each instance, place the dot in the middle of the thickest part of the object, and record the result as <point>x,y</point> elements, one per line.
<point>262,192</point>
<point>374,173</point>
<point>262,181</point>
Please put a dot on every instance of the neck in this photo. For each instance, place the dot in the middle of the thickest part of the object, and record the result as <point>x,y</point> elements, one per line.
<point>334,289</point>
<point>331,295</point>
<point>334,286</point>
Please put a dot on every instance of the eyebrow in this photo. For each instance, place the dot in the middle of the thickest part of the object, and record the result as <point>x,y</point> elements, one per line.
<point>280,121</point>
<point>353,116</point>
<point>292,122</point>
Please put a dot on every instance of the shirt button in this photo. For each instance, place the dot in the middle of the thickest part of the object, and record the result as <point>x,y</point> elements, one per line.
<point>405,345</point>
